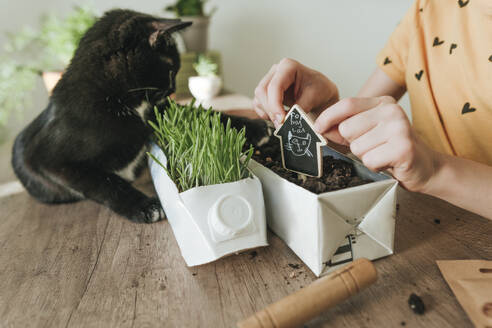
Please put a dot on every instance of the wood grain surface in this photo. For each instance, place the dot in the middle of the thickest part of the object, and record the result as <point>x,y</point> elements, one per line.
<point>80,265</point>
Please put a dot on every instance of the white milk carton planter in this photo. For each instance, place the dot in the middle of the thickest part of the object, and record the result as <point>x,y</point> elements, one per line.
<point>210,222</point>
<point>336,227</point>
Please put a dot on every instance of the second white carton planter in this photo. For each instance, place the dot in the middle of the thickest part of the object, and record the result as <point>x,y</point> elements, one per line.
<point>336,227</point>
<point>210,222</point>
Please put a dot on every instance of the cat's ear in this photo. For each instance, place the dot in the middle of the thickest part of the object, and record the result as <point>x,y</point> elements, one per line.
<point>164,28</point>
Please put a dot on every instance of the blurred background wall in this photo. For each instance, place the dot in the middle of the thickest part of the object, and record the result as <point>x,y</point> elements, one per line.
<point>339,38</point>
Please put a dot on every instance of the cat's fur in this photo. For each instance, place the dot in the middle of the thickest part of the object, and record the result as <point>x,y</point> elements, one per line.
<point>91,139</point>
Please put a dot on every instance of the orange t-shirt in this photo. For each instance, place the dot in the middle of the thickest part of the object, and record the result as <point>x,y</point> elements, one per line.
<point>442,52</point>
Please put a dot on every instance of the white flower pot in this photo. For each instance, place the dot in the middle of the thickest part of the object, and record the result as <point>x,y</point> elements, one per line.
<point>204,87</point>
<point>210,222</point>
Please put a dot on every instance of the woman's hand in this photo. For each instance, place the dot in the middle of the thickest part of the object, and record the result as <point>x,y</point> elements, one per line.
<point>288,83</point>
<point>379,133</point>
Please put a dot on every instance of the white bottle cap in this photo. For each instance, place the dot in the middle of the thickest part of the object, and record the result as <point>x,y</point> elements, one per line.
<point>229,215</point>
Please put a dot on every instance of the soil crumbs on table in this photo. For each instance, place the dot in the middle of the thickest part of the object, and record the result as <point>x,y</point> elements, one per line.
<point>416,304</point>
<point>337,174</point>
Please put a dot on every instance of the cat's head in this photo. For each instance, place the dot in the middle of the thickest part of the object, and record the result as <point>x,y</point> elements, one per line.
<point>134,50</point>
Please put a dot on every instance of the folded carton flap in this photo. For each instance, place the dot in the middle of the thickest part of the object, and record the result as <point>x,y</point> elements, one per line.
<point>353,203</point>
<point>358,245</point>
<point>332,231</point>
<point>199,202</point>
<point>379,223</point>
<point>365,246</point>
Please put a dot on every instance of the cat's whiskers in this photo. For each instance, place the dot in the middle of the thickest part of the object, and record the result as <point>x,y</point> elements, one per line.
<point>144,89</point>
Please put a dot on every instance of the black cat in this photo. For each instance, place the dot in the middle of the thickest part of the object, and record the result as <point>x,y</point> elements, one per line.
<point>91,140</point>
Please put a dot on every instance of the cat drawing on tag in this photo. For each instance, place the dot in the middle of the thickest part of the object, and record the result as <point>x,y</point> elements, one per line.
<point>299,146</point>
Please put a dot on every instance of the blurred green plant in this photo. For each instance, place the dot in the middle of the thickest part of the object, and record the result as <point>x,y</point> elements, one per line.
<point>200,150</point>
<point>205,66</point>
<point>189,8</point>
<point>29,52</point>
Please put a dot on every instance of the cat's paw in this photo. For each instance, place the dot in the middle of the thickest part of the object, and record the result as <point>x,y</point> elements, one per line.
<point>148,211</point>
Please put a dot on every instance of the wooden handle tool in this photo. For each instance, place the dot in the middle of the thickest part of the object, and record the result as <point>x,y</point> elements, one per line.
<point>307,303</point>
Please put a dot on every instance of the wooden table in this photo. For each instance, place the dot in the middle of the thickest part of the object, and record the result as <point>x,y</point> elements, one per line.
<point>80,265</point>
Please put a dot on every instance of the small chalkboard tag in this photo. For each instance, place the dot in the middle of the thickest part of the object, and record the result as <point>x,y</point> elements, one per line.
<point>300,144</point>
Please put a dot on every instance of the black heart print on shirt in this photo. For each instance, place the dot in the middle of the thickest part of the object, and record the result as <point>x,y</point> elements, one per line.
<point>419,74</point>
<point>467,108</point>
<point>452,47</point>
<point>437,42</point>
<point>463,3</point>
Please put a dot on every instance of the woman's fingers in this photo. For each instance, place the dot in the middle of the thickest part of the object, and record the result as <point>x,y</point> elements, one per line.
<point>342,110</point>
<point>288,83</point>
<point>259,110</point>
<point>369,140</point>
<point>379,158</point>
<point>380,134</point>
<point>269,94</point>
<point>390,116</point>
<point>346,108</point>
<point>398,154</point>
<point>261,89</point>
<point>334,135</point>
<point>283,78</point>
<point>307,97</point>
<point>357,125</point>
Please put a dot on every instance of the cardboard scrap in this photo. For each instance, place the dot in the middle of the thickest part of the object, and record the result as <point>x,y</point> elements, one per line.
<point>471,283</point>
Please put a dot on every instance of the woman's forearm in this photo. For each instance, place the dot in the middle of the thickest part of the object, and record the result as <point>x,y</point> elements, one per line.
<point>464,183</point>
<point>380,84</point>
